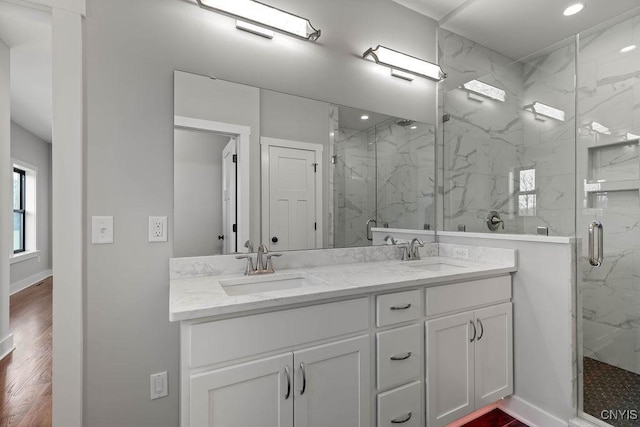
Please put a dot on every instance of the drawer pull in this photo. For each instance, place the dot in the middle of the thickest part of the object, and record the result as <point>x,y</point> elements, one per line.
<point>402,357</point>
<point>401,307</point>
<point>402,420</point>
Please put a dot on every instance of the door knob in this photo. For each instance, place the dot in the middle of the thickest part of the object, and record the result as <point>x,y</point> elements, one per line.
<point>274,239</point>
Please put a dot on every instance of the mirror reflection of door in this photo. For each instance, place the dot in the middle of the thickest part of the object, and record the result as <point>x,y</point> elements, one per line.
<point>205,193</point>
<point>292,219</point>
<point>229,203</point>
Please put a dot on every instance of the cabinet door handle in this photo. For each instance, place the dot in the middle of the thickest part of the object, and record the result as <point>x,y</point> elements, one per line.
<point>286,371</point>
<point>481,329</point>
<point>402,357</point>
<point>401,307</point>
<point>304,379</point>
<point>402,420</point>
<point>474,331</point>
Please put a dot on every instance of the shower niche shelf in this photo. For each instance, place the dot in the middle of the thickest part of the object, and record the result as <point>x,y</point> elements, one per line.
<point>613,179</point>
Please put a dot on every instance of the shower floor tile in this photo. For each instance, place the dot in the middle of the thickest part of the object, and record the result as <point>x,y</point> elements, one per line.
<point>607,387</point>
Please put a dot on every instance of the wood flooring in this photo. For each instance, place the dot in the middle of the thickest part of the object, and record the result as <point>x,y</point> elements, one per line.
<point>25,375</point>
<point>495,418</point>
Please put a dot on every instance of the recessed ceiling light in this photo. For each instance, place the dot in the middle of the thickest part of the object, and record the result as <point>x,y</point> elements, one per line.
<point>364,117</point>
<point>573,9</point>
<point>628,48</point>
<point>414,127</point>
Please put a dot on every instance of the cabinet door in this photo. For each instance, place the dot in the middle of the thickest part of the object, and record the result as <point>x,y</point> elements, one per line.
<point>450,366</point>
<point>494,354</point>
<point>332,385</point>
<point>249,394</point>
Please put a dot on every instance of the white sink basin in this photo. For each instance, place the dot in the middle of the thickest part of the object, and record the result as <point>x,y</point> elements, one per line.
<point>435,266</point>
<point>267,283</point>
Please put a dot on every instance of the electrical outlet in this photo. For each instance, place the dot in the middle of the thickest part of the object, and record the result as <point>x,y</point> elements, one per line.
<point>159,385</point>
<point>461,253</point>
<point>101,230</point>
<point>157,229</point>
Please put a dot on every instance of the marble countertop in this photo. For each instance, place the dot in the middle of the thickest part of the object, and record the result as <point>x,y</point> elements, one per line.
<point>203,296</point>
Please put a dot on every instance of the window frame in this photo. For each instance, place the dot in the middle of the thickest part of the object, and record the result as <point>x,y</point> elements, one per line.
<point>22,209</point>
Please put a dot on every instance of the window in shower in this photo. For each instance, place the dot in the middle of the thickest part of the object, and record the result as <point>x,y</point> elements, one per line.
<point>527,193</point>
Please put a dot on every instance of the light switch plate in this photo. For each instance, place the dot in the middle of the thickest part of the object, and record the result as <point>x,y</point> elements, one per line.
<point>101,230</point>
<point>157,229</point>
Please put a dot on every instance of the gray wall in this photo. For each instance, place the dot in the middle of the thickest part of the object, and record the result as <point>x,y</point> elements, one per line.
<point>131,49</point>
<point>197,192</point>
<point>28,148</point>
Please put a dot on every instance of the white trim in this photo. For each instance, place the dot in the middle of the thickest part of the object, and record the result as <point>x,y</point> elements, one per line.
<point>265,143</point>
<point>23,256</point>
<point>529,414</point>
<point>30,281</point>
<point>587,421</point>
<point>500,236</point>
<point>6,346</point>
<point>243,136</point>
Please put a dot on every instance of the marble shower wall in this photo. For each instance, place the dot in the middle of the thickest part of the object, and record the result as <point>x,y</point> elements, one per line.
<point>487,143</point>
<point>609,176</point>
<point>405,160</point>
<point>354,186</point>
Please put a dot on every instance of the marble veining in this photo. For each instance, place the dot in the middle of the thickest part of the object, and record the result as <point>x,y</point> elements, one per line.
<point>340,272</point>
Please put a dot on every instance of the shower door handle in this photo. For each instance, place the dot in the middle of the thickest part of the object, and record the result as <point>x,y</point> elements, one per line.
<point>370,224</point>
<point>596,262</point>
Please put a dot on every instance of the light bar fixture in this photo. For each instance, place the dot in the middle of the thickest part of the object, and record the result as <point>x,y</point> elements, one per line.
<point>260,14</point>
<point>401,64</point>
<point>538,108</point>
<point>597,127</point>
<point>488,91</point>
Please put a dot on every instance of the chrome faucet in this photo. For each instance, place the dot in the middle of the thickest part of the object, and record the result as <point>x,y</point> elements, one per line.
<point>414,253</point>
<point>390,238</point>
<point>264,263</point>
<point>249,245</point>
<point>493,221</point>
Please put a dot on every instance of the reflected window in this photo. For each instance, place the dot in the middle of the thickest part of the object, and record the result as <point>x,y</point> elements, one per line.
<point>527,192</point>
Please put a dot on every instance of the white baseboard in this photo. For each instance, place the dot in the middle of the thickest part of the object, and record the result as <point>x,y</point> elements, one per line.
<point>529,413</point>
<point>6,346</point>
<point>29,281</point>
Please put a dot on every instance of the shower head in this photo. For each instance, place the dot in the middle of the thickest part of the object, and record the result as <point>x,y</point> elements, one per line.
<point>405,122</point>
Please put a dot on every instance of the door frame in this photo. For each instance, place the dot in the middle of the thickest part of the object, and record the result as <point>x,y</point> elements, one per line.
<point>243,135</point>
<point>265,144</point>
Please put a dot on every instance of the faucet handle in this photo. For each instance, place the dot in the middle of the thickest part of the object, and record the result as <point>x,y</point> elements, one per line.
<point>249,269</point>
<point>269,265</point>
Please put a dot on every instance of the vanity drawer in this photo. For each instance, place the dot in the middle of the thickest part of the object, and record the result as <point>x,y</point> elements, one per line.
<point>398,307</point>
<point>229,339</point>
<point>402,403</point>
<point>466,295</point>
<point>399,355</point>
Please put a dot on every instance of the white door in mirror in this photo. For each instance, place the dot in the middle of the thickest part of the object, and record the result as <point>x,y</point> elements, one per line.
<point>157,229</point>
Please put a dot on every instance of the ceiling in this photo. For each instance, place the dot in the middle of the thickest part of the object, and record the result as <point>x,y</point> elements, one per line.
<point>517,28</point>
<point>27,32</point>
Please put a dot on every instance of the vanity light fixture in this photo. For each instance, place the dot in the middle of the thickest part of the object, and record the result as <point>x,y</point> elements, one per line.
<point>573,9</point>
<point>479,88</point>
<point>254,15</point>
<point>631,136</point>
<point>597,127</point>
<point>628,48</point>
<point>402,65</point>
<point>540,109</point>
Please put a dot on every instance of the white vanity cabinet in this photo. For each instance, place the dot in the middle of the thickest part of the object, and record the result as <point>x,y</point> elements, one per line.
<point>469,354</point>
<point>327,384</point>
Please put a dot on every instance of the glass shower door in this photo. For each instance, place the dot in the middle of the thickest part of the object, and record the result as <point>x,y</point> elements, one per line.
<point>608,174</point>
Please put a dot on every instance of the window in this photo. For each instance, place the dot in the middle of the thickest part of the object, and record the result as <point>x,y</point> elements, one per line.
<point>527,193</point>
<point>19,211</point>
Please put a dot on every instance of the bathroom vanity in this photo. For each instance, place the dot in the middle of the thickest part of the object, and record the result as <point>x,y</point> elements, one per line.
<point>349,337</point>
